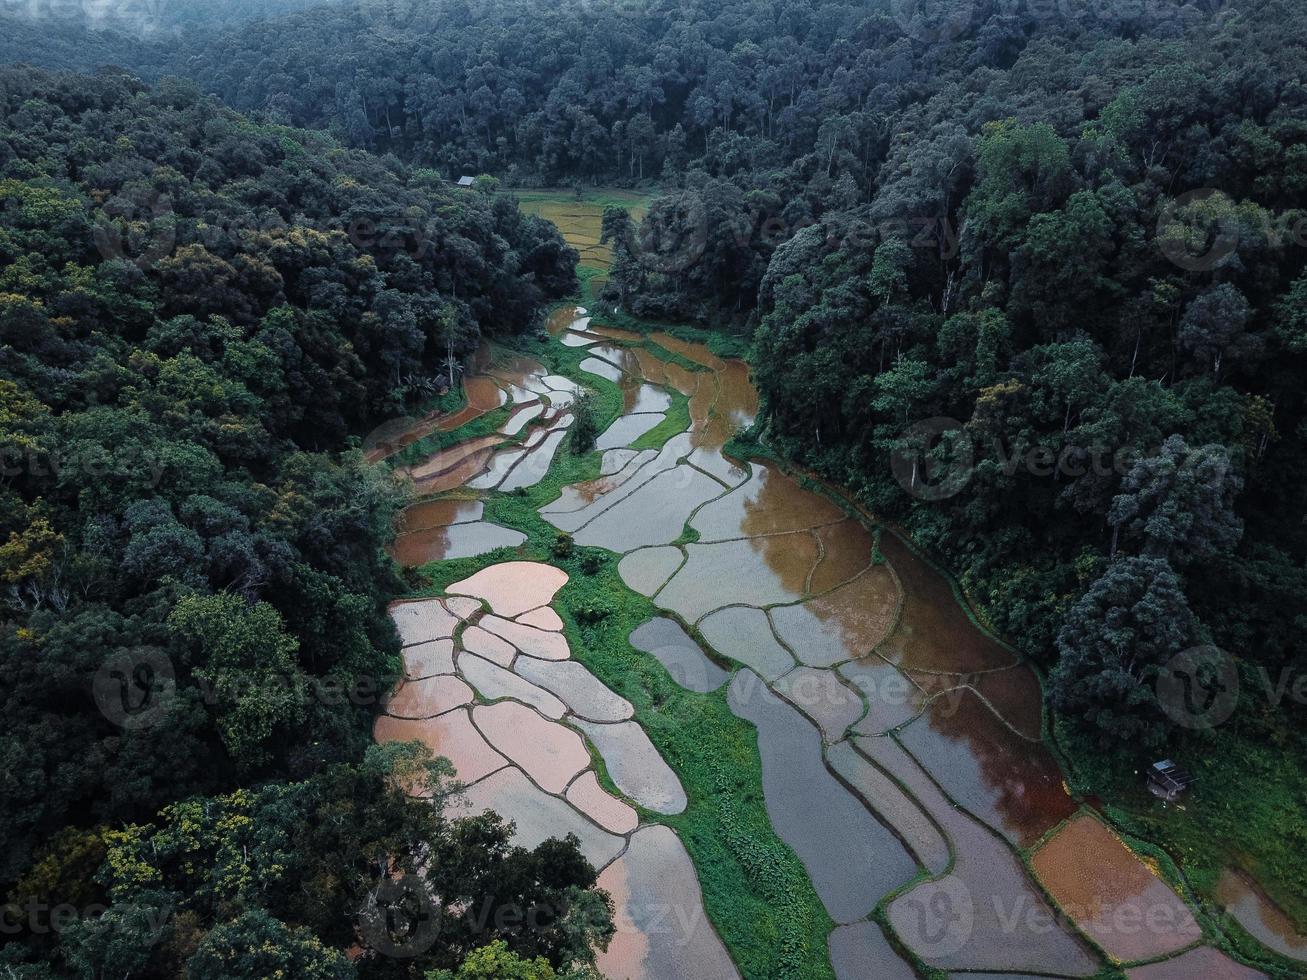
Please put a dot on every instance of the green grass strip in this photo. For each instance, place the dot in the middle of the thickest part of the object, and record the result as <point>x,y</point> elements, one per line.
<point>756,891</point>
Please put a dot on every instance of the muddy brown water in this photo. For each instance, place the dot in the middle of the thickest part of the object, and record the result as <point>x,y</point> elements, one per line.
<point>440,513</point>
<point>844,624</point>
<point>934,632</point>
<point>1010,783</point>
<point>1266,922</point>
<point>770,502</point>
<point>846,551</point>
<point>414,548</point>
<point>1111,894</point>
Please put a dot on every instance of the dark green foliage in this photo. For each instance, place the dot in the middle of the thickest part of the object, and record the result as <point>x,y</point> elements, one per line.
<point>585,422</point>
<point>1131,622</point>
<point>197,312</point>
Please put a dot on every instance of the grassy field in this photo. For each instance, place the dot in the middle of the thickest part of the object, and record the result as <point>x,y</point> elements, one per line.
<point>580,220</point>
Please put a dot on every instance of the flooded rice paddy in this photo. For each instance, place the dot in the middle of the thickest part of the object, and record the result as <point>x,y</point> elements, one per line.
<point>901,745</point>
<point>519,720</point>
<point>1243,900</point>
<point>1111,894</point>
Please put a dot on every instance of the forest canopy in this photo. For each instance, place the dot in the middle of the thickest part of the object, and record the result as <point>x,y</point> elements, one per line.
<point>1027,278</point>
<point>198,316</point>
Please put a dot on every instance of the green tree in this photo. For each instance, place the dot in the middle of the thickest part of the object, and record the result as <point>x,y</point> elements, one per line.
<point>257,945</point>
<point>249,662</point>
<point>1180,503</point>
<point>497,962</point>
<point>1132,620</point>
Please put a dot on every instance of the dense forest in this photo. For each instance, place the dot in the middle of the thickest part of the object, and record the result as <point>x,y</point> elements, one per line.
<point>1030,279</point>
<point>197,312</point>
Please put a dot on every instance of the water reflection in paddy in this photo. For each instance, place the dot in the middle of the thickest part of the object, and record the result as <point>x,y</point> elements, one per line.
<point>934,632</point>
<point>537,816</point>
<point>1261,918</point>
<point>648,569</point>
<point>1013,784</point>
<point>653,514</point>
<point>789,545</point>
<point>853,859</point>
<point>846,623</point>
<point>451,735</point>
<point>860,951</point>
<point>754,571</point>
<point>662,931</point>
<point>626,429</point>
<point>1203,963</point>
<point>685,661</point>
<point>744,635</point>
<point>769,503</point>
<point>966,920</point>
